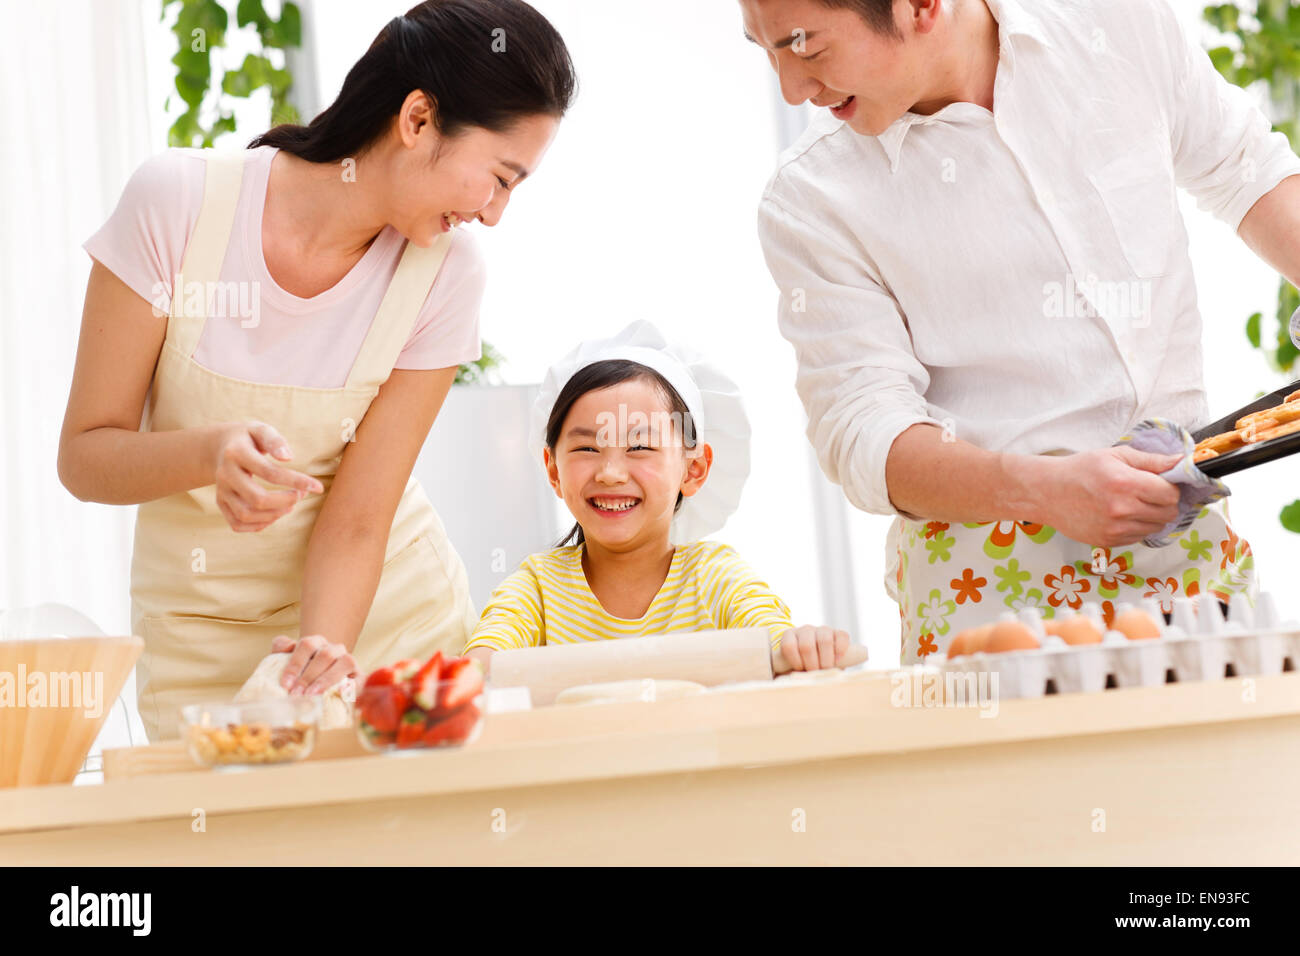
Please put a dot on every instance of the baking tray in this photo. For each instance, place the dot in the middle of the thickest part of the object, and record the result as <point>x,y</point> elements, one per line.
<point>1251,455</point>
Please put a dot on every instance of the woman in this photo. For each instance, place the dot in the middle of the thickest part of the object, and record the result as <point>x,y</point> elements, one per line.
<point>312,301</point>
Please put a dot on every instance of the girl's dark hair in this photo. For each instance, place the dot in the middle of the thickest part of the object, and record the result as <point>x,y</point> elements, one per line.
<point>605,374</point>
<point>486,63</point>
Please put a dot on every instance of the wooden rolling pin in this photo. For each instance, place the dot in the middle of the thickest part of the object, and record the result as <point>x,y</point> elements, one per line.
<point>706,657</point>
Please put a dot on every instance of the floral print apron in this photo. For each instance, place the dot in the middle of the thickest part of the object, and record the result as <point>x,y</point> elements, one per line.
<point>949,577</point>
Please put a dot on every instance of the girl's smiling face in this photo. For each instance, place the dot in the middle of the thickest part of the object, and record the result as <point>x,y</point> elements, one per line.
<point>620,462</point>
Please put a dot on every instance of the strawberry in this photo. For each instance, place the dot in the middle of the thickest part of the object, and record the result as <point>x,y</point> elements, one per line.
<point>375,737</point>
<point>411,729</point>
<point>405,669</point>
<point>432,666</point>
<point>453,729</point>
<point>382,706</point>
<point>380,677</point>
<point>462,682</point>
<point>425,682</point>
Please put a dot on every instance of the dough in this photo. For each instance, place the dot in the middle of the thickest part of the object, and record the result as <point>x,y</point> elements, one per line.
<point>628,690</point>
<point>826,676</point>
<point>336,703</point>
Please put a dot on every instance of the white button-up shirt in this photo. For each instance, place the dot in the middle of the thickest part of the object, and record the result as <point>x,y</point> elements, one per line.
<point>1020,278</point>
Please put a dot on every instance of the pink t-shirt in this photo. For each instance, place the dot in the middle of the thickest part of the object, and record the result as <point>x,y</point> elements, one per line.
<point>284,340</point>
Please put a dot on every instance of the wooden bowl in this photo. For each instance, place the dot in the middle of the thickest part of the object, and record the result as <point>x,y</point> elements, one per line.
<point>55,693</point>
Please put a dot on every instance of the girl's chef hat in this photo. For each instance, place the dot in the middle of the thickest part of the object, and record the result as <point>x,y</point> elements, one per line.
<point>714,402</point>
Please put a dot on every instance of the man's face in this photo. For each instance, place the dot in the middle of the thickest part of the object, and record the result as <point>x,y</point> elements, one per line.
<point>829,55</point>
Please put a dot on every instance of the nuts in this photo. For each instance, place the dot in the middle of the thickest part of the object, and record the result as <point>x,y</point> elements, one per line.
<point>248,743</point>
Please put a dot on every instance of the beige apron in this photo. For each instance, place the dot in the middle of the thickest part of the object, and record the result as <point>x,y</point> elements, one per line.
<point>206,600</point>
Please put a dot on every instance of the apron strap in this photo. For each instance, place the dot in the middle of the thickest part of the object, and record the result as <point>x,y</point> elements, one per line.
<point>206,251</point>
<point>395,319</point>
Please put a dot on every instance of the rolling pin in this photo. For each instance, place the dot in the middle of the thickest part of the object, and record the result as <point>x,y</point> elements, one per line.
<point>706,657</point>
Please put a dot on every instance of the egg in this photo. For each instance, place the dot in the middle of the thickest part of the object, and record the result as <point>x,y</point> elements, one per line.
<point>1010,636</point>
<point>1079,630</point>
<point>1136,624</point>
<point>1052,626</point>
<point>977,638</point>
<point>957,646</point>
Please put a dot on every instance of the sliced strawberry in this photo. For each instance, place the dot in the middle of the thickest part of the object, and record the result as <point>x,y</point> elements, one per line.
<point>383,676</point>
<point>405,669</point>
<point>426,692</point>
<point>383,705</point>
<point>432,666</point>
<point>453,729</point>
<point>411,729</point>
<point>462,682</point>
<point>376,737</point>
<point>424,685</point>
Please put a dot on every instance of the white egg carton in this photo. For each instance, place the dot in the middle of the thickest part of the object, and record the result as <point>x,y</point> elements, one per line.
<point>1199,644</point>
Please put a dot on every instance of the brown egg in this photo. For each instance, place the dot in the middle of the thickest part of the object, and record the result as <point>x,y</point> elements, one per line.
<point>1136,624</point>
<point>1010,636</point>
<point>1080,630</point>
<point>957,646</point>
<point>1053,626</point>
<point>977,638</point>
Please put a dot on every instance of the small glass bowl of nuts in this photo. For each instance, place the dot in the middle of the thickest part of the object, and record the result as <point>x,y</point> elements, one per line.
<point>252,733</point>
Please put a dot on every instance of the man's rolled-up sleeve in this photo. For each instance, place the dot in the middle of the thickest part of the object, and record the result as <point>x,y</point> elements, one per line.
<point>859,380</point>
<point>1225,151</point>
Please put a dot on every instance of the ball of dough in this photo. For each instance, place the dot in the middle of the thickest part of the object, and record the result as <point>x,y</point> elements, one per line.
<point>264,684</point>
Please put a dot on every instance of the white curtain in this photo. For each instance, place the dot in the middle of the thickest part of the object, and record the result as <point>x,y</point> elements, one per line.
<point>74,124</point>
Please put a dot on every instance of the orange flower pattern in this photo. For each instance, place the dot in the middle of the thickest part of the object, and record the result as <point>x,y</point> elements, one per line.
<point>945,569</point>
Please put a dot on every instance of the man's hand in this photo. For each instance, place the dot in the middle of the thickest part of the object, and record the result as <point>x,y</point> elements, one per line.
<point>1107,497</point>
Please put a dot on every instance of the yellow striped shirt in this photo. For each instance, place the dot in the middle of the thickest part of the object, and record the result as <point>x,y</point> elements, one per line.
<point>548,601</point>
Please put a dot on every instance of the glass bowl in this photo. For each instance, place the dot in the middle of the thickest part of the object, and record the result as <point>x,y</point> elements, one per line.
<point>254,733</point>
<point>399,723</point>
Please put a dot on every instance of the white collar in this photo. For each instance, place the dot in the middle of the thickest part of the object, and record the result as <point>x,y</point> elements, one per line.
<point>1013,20</point>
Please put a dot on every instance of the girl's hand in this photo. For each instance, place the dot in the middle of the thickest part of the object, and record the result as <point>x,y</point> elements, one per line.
<point>811,648</point>
<point>482,656</point>
<point>1107,497</point>
<point>315,666</point>
<point>239,453</point>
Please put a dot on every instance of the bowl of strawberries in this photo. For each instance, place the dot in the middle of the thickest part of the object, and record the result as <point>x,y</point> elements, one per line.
<point>413,705</point>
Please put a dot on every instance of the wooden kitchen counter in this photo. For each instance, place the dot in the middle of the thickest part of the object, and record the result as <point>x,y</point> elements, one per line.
<point>1196,773</point>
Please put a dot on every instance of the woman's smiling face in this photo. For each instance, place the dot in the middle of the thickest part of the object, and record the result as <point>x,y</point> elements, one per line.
<point>620,462</point>
<point>439,182</point>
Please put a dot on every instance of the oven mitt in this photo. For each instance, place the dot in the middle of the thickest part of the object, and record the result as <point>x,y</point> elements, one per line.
<point>1196,489</point>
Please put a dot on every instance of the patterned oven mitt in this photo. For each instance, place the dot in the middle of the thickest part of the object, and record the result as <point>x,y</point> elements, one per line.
<point>1197,489</point>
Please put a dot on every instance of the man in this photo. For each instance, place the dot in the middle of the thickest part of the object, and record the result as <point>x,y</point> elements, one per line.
<point>985,278</point>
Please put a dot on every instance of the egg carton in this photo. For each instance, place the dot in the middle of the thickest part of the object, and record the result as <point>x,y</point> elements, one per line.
<point>1198,644</point>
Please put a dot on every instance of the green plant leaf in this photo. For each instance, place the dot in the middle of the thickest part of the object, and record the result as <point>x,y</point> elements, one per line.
<point>1252,328</point>
<point>1290,517</point>
<point>288,31</point>
<point>251,12</point>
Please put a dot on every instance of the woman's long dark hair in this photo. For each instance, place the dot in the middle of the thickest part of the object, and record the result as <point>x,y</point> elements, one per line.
<point>605,374</point>
<point>486,63</point>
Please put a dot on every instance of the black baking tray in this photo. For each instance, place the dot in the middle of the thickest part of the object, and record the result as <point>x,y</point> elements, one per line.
<point>1251,455</point>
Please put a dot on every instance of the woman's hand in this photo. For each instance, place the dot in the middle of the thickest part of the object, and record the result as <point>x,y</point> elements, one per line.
<point>811,648</point>
<point>239,454</point>
<point>315,666</point>
<point>1108,497</point>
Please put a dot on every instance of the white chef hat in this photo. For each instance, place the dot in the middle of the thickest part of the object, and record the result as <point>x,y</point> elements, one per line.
<point>713,400</point>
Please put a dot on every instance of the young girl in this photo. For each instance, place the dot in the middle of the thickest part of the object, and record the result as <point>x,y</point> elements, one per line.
<point>620,427</point>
